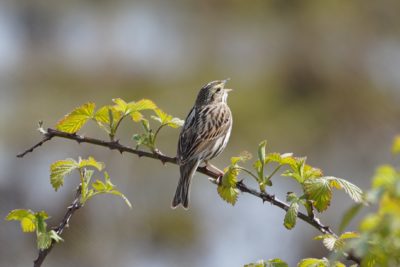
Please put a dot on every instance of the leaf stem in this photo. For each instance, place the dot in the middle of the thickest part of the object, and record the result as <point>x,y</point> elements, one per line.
<point>274,172</point>
<point>248,172</point>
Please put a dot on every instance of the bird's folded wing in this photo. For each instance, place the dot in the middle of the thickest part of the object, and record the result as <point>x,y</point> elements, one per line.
<point>202,127</point>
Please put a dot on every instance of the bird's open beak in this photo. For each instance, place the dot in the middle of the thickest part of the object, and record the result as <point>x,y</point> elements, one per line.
<point>225,81</point>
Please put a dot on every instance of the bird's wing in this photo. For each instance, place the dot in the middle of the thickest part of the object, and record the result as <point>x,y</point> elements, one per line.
<point>203,125</point>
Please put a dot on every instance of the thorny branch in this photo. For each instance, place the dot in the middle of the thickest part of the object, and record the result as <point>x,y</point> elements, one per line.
<point>215,174</point>
<point>75,205</point>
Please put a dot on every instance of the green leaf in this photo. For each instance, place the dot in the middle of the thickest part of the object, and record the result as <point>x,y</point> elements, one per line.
<point>141,139</point>
<point>348,216</point>
<point>292,197</point>
<point>107,115</point>
<point>86,176</point>
<point>276,263</point>
<point>166,119</point>
<point>106,187</point>
<point>102,115</point>
<point>269,263</point>
<point>26,217</point>
<point>229,194</point>
<point>135,107</point>
<point>333,243</point>
<point>143,104</point>
<point>261,151</point>
<point>319,191</point>
<point>136,116</point>
<point>297,166</point>
<point>312,262</point>
<point>352,190</point>
<point>330,241</point>
<point>74,121</point>
<point>227,189</point>
<point>43,240</point>
<point>41,225</point>
<point>59,169</point>
<point>291,215</point>
<point>396,145</point>
<point>121,106</point>
<point>91,162</point>
<point>99,186</point>
<point>310,172</point>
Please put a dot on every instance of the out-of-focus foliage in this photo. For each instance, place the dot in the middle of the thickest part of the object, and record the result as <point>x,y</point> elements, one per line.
<point>379,243</point>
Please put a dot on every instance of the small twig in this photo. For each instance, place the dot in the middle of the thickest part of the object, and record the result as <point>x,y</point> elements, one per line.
<point>114,145</point>
<point>44,140</point>
<point>60,228</point>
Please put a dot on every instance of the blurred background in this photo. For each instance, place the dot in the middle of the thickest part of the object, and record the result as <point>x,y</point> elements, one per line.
<point>316,78</point>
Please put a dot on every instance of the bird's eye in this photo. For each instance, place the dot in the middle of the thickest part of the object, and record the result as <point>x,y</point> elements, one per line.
<point>218,90</point>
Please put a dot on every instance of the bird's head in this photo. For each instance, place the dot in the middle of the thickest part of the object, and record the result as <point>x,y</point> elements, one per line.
<point>213,92</point>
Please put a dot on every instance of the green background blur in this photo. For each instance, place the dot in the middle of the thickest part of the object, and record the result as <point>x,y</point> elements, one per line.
<point>317,78</point>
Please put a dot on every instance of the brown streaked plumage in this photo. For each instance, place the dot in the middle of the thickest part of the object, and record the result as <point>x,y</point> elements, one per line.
<point>204,135</point>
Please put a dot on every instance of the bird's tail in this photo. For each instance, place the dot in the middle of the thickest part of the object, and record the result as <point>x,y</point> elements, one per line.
<point>182,191</point>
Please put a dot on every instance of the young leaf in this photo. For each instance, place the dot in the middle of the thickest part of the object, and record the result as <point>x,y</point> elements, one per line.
<point>330,241</point>
<point>268,263</point>
<point>136,116</point>
<point>143,104</point>
<point>106,117</point>
<point>75,120</point>
<point>59,169</point>
<point>229,194</point>
<point>102,115</point>
<point>319,191</point>
<point>352,190</point>
<point>26,217</point>
<point>312,262</point>
<point>106,187</point>
<point>166,119</point>
<point>41,225</point>
<point>43,240</point>
<point>121,106</point>
<point>291,216</point>
<point>276,263</point>
<point>297,166</point>
<point>91,162</point>
<point>227,189</point>
<point>261,151</point>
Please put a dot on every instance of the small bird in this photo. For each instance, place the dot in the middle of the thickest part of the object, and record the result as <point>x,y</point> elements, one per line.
<point>204,135</point>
